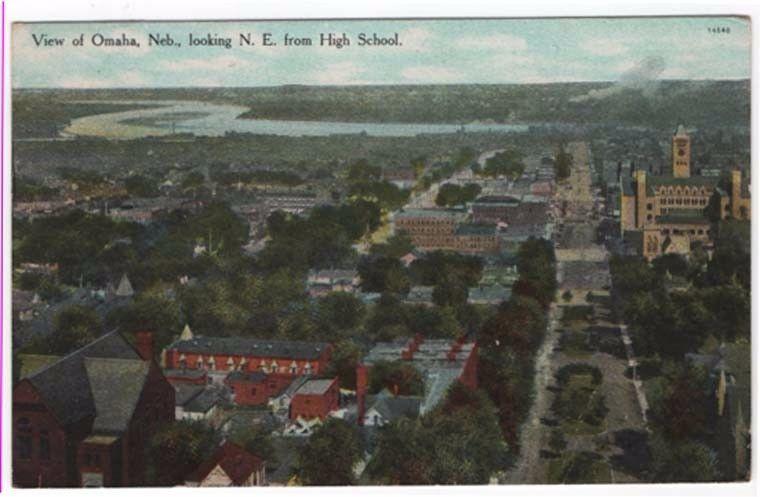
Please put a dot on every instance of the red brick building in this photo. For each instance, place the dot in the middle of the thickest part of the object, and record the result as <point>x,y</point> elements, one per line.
<point>253,388</point>
<point>222,355</point>
<point>315,399</point>
<point>84,419</point>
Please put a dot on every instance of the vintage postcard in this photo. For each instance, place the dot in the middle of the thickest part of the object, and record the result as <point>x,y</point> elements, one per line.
<point>381,252</point>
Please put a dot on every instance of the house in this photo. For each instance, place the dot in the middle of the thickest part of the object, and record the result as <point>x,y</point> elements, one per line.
<point>315,399</point>
<point>385,408</point>
<point>323,281</point>
<point>229,466</point>
<point>221,355</point>
<point>420,295</point>
<point>253,388</point>
<point>198,403</point>
<point>282,401</point>
<point>85,418</point>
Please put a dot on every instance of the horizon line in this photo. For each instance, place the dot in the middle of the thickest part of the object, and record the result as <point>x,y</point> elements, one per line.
<point>354,85</point>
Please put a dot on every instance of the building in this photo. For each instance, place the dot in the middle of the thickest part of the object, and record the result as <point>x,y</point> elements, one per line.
<point>315,399</point>
<point>220,356</point>
<point>420,295</point>
<point>229,466</point>
<point>488,294</point>
<point>430,229</point>
<point>440,363</point>
<point>385,408</point>
<point>493,208</point>
<point>254,388</point>
<point>198,403</point>
<point>668,211</point>
<point>84,419</point>
<point>323,281</point>
<point>476,239</point>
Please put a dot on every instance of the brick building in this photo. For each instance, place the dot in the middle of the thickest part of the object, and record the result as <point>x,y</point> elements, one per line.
<point>254,388</point>
<point>315,399</point>
<point>84,419</point>
<point>220,356</point>
<point>429,229</point>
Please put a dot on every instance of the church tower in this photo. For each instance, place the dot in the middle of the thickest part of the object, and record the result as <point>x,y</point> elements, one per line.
<point>681,151</point>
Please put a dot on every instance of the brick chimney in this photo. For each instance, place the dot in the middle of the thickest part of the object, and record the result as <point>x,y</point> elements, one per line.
<point>144,344</point>
<point>361,392</point>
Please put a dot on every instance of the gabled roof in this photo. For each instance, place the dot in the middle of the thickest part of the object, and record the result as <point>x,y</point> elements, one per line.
<point>392,407</point>
<point>237,463</point>
<point>251,346</point>
<point>72,390</point>
<point>116,385</point>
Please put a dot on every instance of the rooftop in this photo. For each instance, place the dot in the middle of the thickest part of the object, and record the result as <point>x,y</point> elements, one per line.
<point>250,346</point>
<point>476,229</point>
<point>431,213</point>
<point>315,387</point>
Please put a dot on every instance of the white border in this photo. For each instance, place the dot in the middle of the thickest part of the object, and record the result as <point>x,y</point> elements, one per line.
<point>98,10</point>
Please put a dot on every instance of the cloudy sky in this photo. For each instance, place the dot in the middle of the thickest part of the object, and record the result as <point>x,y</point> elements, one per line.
<point>451,51</point>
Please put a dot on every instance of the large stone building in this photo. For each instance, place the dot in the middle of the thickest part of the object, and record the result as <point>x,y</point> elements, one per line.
<point>430,229</point>
<point>665,214</point>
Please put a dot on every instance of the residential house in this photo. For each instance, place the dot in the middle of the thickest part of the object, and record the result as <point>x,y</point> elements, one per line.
<point>315,399</point>
<point>229,466</point>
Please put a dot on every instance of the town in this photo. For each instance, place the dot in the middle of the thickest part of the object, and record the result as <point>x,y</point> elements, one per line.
<point>541,307</point>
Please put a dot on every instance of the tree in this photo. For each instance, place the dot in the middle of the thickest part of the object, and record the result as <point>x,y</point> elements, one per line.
<point>328,458</point>
<point>397,245</point>
<point>383,274</point>
<point>451,194</point>
<point>675,264</point>
<point>508,163</point>
<point>343,361</point>
<point>341,311</point>
<point>73,328</point>
<point>176,449</point>
<point>681,461</point>
<point>562,164</point>
<point>151,311</point>
<point>399,377</point>
<point>138,185</point>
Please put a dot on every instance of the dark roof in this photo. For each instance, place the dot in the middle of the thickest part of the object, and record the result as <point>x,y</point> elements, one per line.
<point>497,199</point>
<point>185,393</point>
<point>73,390</point>
<point>236,462</point>
<point>683,216</point>
<point>204,400</point>
<point>476,229</point>
<point>249,376</point>
<point>192,374</point>
<point>250,346</point>
<point>629,186</point>
<point>392,407</point>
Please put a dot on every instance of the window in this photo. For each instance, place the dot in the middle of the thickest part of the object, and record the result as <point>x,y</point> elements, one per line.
<point>24,438</point>
<point>44,445</point>
<point>649,206</point>
<point>253,391</point>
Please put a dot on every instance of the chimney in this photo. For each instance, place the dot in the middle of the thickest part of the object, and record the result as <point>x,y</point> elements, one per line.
<point>144,344</point>
<point>361,392</point>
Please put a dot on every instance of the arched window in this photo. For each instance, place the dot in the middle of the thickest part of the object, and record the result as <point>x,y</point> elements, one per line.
<point>24,438</point>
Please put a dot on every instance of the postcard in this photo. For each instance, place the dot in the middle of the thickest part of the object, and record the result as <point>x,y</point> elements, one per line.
<point>381,252</point>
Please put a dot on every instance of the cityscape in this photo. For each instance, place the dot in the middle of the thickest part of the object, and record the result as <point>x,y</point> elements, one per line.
<point>382,282</point>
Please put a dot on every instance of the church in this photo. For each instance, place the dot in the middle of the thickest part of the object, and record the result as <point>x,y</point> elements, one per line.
<point>666,214</point>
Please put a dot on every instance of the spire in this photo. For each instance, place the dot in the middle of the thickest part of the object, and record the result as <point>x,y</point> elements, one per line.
<point>187,333</point>
<point>125,287</point>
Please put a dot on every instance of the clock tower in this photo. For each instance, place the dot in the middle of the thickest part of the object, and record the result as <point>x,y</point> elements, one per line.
<point>681,151</point>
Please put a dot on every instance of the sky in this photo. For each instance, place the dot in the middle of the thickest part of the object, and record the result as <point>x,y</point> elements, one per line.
<point>431,52</point>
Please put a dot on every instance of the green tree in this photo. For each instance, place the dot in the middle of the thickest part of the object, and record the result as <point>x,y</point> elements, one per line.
<point>328,458</point>
<point>341,311</point>
<point>343,361</point>
<point>176,449</point>
<point>398,377</point>
<point>563,163</point>
<point>73,328</point>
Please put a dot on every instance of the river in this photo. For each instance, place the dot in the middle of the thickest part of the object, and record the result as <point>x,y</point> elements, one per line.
<point>212,119</point>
